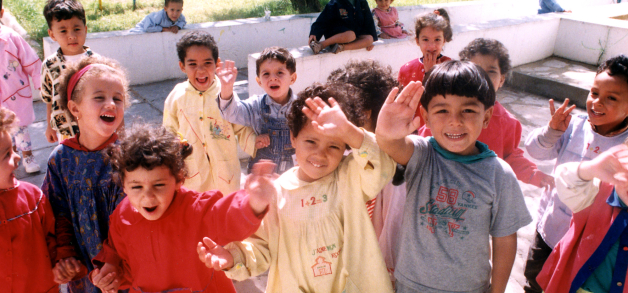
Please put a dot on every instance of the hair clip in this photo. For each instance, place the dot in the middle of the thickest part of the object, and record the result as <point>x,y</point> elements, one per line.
<point>182,140</point>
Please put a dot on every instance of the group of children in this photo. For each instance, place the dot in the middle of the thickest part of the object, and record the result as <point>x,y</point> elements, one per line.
<point>364,183</point>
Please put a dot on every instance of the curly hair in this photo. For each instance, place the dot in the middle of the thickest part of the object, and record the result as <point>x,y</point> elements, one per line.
<point>276,53</point>
<point>8,120</point>
<point>438,21</point>
<point>351,107</point>
<point>488,47</point>
<point>372,79</point>
<point>110,68</point>
<point>460,78</point>
<point>63,10</point>
<point>196,38</point>
<point>147,146</point>
<point>615,66</point>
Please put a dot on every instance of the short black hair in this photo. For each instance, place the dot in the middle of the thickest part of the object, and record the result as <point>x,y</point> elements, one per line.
<point>62,10</point>
<point>276,53</point>
<point>460,78</point>
<point>488,47</point>
<point>617,65</point>
<point>196,38</point>
<point>175,1</point>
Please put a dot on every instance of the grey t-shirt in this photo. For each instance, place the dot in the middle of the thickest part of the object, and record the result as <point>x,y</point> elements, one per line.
<point>451,210</point>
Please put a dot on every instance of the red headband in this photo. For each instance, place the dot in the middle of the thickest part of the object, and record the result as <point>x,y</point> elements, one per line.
<point>75,78</point>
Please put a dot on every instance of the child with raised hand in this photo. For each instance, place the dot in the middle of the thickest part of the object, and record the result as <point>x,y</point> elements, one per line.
<point>266,114</point>
<point>66,26</point>
<point>588,258</point>
<point>169,19</point>
<point>191,109</point>
<point>149,164</point>
<point>78,181</point>
<point>317,235</point>
<point>459,191</point>
<point>26,224</point>
<point>577,138</point>
<point>387,19</point>
<point>18,62</point>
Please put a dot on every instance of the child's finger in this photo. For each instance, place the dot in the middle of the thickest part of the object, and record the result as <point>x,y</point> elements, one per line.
<point>106,281</point>
<point>416,97</point>
<point>263,167</point>
<point>96,276</point>
<point>332,102</point>
<point>552,107</point>
<point>562,107</point>
<point>111,287</point>
<point>309,113</point>
<point>570,109</point>
<point>209,243</point>
<point>392,95</point>
<point>75,264</point>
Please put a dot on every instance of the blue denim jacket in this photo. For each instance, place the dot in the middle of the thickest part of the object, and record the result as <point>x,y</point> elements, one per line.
<point>154,22</point>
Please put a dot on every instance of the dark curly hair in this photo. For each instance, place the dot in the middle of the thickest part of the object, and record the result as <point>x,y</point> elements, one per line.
<point>460,78</point>
<point>276,53</point>
<point>488,47</point>
<point>341,93</point>
<point>63,10</point>
<point>147,146</point>
<point>111,68</point>
<point>196,38</point>
<point>615,66</point>
<point>372,79</point>
<point>8,119</point>
<point>439,22</point>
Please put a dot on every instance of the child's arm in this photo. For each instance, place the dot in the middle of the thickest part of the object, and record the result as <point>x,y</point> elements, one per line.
<point>231,107</point>
<point>106,278</point>
<point>543,143</point>
<point>321,24</point>
<point>227,74</point>
<point>396,121</point>
<point>31,65</point>
<point>504,252</point>
<point>150,23</point>
<point>181,22</point>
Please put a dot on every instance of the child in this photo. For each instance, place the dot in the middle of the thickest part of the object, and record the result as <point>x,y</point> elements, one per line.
<point>459,192</point>
<point>66,26</point>
<point>317,235</point>
<point>503,133</point>
<point>26,224</point>
<point>170,19</point>
<point>576,139</point>
<point>148,162</point>
<point>192,110</point>
<point>548,6</point>
<point>18,61</point>
<point>266,114</point>
<point>78,181</point>
<point>588,258</point>
<point>346,25</point>
<point>432,30</point>
<point>387,19</point>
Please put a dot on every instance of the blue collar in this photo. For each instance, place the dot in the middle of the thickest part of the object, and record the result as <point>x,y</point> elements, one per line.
<point>485,152</point>
<point>614,200</point>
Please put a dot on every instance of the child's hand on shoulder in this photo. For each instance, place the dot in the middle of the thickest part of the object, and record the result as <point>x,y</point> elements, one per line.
<point>260,186</point>
<point>227,73</point>
<point>107,278</point>
<point>262,141</point>
<point>214,256</point>
<point>396,118</point>
<point>66,269</point>
<point>561,116</point>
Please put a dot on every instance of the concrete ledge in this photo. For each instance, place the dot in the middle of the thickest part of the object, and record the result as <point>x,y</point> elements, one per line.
<point>548,88</point>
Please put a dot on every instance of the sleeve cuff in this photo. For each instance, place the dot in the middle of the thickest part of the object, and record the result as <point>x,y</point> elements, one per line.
<point>549,137</point>
<point>368,150</point>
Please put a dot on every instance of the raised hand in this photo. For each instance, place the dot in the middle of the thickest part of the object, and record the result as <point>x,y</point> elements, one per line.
<point>561,116</point>
<point>214,256</point>
<point>429,60</point>
<point>611,166</point>
<point>107,279</point>
<point>227,74</point>
<point>396,118</point>
<point>262,141</point>
<point>260,187</point>
<point>327,119</point>
<point>66,269</point>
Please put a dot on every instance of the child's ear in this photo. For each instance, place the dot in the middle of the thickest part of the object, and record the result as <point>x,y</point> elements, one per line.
<point>51,35</point>
<point>487,117</point>
<point>501,82</point>
<point>73,108</point>
<point>259,81</point>
<point>182,66</point>
<point>424,115</point>
<point>416,39</point>
<point>292,139</point>
<point>293,78</point>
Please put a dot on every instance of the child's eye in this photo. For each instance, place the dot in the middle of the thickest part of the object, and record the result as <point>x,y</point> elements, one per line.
<point>99,97</point>
<point>612,98</point>
<point>63,31</point>
<point>160,185</point>
<point>118,99</point>
<point>309,141</point>
<point>334,147</point>
<point>468,111</point>
<point>136,187</point>
<point>442,111</point>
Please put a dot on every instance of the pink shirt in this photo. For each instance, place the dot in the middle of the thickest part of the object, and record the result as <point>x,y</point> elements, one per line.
<point>389,22</point>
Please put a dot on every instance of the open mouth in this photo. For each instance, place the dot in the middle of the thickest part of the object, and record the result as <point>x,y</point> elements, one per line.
<point>108,118</point>
<point>454,136</point>
<point>202,79</point>
<point>151,209</point>
<point>596,113</point>
<point>316,165</point>
<point>274,87</point>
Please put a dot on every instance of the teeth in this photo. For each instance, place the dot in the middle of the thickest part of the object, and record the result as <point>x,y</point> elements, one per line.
<point>316,165</point>
<point>597,113</point>
<point>109,116</point>
<point>454,136</point>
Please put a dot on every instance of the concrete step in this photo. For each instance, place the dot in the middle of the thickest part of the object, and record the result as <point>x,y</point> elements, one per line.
<point>555,78</point>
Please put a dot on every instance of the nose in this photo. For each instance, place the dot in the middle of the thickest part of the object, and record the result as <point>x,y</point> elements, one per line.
<point>456,119</point>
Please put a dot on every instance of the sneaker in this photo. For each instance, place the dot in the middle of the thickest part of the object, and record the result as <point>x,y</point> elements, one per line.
<point>30,164</point>
<point>337,48</point>
<point>316,47</point>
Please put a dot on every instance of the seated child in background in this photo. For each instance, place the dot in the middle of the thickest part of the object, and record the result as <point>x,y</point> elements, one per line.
<point>459,191</point>
<point>589,258</point>
<point>548,6</point>
<point>387,20</point>
<point>191,109</point>
<point>346,25</point>
<point>374,82</point>
<point>503,133</point>
<point>317,235</point>
<point>148,163</point>
<point>27,225</point>
<point>66,26</point>
<point>266,114</point>
<point>575,139</point>
<point>170,19</point>
<point>18,62</point>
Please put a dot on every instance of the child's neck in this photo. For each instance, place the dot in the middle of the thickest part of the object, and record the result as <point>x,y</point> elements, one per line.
<point>91,142</point>
<point>282,100</point>
<point>611,131</point>
<point>82,52</point>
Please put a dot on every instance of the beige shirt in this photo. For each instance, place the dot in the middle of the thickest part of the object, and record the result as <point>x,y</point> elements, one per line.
<point>575,193</point>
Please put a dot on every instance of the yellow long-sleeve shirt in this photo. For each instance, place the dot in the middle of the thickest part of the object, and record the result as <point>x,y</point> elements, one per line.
<point>214,162</point>
<point>317,236</point>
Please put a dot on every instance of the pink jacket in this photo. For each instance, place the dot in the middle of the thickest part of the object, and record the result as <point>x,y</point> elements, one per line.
<point>17,62</point>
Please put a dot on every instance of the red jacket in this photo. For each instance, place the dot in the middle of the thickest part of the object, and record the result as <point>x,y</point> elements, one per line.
<point>502,136</point>
<point>414,70</point>
<point>161,255</point>
<point>27,242</point>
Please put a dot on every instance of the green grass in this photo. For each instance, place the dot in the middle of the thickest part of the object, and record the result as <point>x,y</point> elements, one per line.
<point>119,14</point>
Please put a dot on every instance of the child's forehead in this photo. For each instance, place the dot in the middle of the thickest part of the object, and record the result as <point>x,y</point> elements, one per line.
<point>175,5</point>
<point>272,63</point>
<point>449,100</point>
<point>73,21</point>
<point>199,53</point>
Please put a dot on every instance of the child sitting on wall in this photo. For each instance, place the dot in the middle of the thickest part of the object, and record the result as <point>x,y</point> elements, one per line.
<point>170,19</point>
